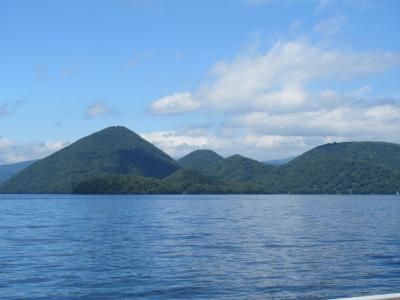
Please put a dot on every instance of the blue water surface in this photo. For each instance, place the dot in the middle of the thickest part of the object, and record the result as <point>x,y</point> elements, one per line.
<point>198,247</point>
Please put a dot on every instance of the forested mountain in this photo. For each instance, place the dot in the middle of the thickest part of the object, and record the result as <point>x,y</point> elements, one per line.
<point>241,169</point>
<point>200,160</point>
<point>345,168</point>
<point>386,155</point>
<point>111,151</point>
<point>183,181</point>
<point>117,160</point>
<point>120,184</point>
<point>354,167</point>
<point>8,170</point>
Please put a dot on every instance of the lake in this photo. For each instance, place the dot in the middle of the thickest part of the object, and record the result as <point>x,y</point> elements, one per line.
<point>198,247</point>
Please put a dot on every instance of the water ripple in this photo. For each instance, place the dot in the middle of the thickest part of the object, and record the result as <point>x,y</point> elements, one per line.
<point>198,247</point>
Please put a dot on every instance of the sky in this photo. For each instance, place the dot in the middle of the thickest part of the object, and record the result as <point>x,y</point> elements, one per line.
<point>268,79</point>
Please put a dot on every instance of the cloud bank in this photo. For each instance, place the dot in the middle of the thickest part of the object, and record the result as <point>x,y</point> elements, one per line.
<point>287,95</point>
<point>12,151</point>
<point>175,104</point>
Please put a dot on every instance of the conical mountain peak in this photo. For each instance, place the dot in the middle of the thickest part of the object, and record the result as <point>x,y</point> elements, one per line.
<point>113,150</point>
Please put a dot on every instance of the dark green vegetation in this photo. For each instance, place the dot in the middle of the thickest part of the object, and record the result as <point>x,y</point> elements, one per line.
<point>200,160</point>
<point>241,169</point>
<point>358,167</point>
<point>192,182</point>
<point>111,151</point>
<point>120,184</point>
<point>8,170</point>
<point>183,181</point>
<point>118,161</point>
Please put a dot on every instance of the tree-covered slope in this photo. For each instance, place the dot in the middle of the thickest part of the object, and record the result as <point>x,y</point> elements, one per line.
<point>116,160</point>
<point>8,170</point>
<point>191,182</point>
<point>183,181</point>
<point>200,159</point>
<point>238,168</point>
<point>111,151</point>
<point>120,184</point>
<point>188,181</point>
<point>386,155</point>
<point>357,167</point>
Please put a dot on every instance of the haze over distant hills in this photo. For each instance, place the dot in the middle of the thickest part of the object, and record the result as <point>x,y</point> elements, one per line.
<point>279,162</point>
<point>117,160</point>
<point>8,170</point>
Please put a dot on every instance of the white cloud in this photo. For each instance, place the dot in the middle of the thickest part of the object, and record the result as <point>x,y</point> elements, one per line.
<point>258,146</point>
<point>269,104</point>
<point>272,141</point>
<point>360,92</point>
<point>275,80</point>
<point>12,151</point>
<point>354,122</point>
<point>100,109</point>
<point>175,104</point>
<point>330,26</point>
<point>176,143</point>
<point>278,78</point>
<point>171,139</point>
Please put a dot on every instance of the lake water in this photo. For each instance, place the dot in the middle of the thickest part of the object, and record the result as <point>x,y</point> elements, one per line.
<point>198,247</point>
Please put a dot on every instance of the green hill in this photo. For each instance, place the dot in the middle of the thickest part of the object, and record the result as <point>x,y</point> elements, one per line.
<point>188,181</point>
<point>386,155</point>
<point>200,160</point>
<point>111,151</point>
<point>356,167</point>
<point>183,181</point>
<point>8,170</point>
<point>180,182</point>
<point>118,161</point>
<point>238,168</point>
<point>191,182</point>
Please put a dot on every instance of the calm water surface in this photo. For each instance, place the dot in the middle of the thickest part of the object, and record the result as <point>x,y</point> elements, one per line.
<point>198,247</point>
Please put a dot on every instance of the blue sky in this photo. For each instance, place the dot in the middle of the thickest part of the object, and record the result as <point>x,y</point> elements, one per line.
<point>264,78</point>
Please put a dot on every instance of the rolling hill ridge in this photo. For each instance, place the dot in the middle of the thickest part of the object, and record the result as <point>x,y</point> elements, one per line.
<point>117,160</point>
